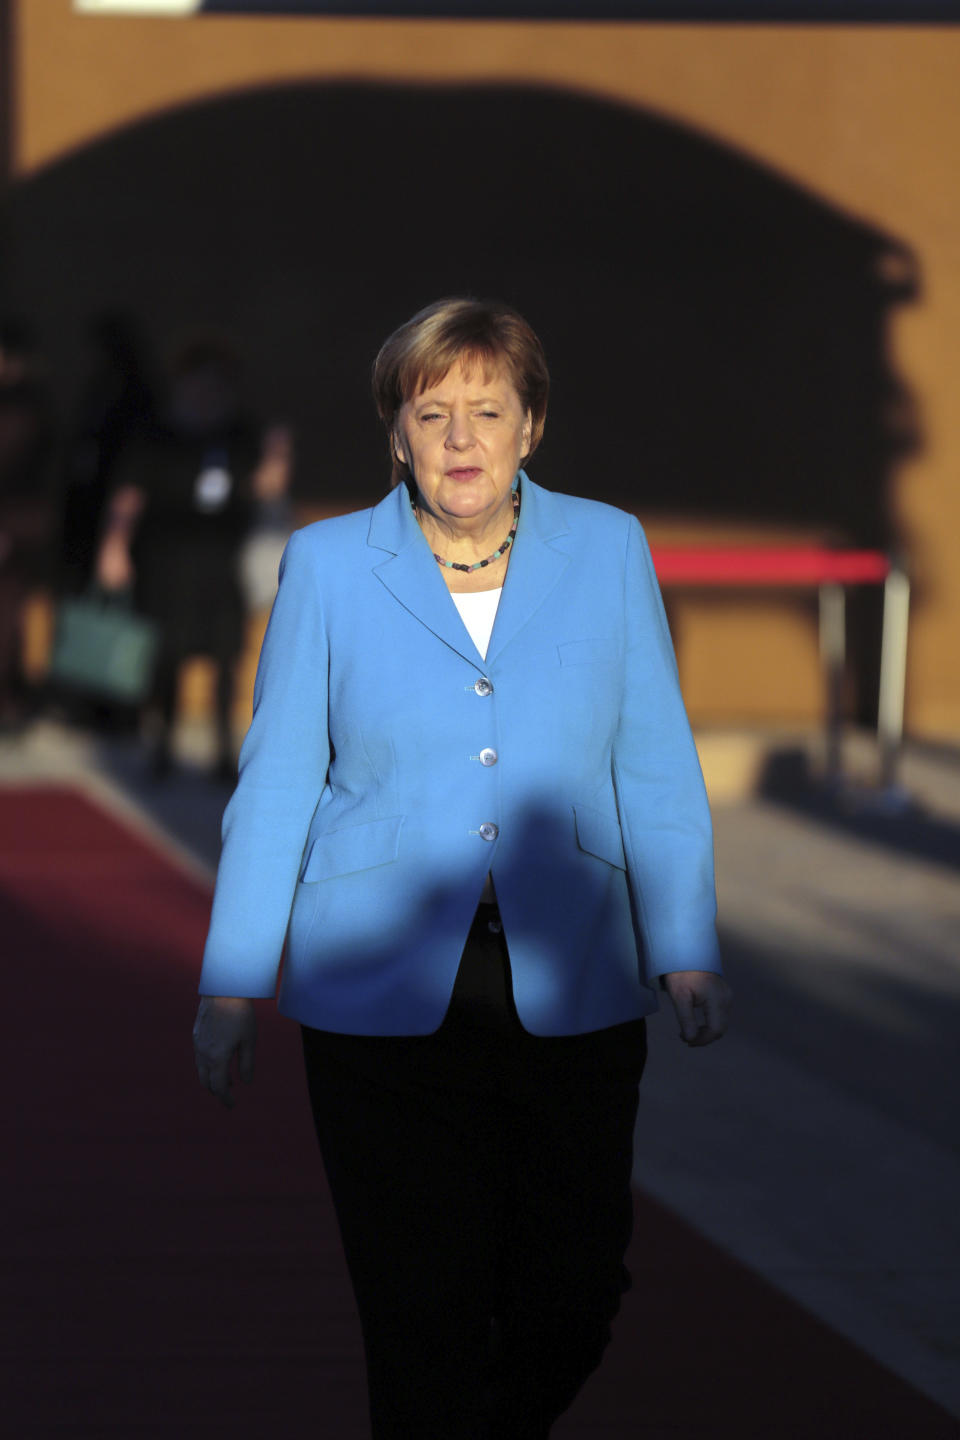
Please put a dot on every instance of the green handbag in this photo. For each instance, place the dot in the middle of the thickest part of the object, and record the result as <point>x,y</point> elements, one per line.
<point>103,648</point>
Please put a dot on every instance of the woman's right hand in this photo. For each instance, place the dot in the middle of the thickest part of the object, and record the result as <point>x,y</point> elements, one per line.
<point>225,1026</point>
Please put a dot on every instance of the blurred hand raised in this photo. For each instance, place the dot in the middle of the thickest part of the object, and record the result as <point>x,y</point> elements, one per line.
<point>114,566</point>
<point>225,1027</point>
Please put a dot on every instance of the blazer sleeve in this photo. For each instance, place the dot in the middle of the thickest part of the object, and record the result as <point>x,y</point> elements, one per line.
<point>283,768</point>
<point>664,813</point>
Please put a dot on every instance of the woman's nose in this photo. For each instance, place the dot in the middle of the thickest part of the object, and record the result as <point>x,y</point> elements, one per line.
<point>460,435</point>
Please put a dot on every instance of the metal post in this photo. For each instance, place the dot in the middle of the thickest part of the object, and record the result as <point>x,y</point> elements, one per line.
<point>833,657</point>
<point>893,673</point>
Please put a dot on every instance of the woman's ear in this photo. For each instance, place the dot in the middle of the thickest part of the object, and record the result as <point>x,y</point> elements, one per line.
<point>396,446</point>
<point>526,435</point>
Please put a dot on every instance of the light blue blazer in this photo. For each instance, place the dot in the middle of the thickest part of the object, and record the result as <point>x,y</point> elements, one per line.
<point>389,767</point>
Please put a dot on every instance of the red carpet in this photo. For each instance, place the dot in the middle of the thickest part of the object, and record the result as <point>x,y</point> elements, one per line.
<point>171,1269</point>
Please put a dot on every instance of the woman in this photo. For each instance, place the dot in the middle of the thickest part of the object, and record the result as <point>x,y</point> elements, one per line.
<point>470,801</point>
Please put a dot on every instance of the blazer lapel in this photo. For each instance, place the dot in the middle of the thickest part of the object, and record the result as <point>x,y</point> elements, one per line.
<point>412,575</point>
<point>535,566</point>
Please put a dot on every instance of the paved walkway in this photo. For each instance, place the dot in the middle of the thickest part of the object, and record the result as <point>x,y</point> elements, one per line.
<point>818,1141</point>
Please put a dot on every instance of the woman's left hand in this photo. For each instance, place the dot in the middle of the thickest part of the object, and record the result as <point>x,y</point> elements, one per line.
<point>225,1027</point>
<point>701,1000</point>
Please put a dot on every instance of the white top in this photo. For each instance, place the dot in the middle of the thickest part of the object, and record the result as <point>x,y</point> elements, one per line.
<point>478,610</point>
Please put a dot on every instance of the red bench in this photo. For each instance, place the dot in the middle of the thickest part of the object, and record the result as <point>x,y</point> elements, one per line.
<point>830,572</point>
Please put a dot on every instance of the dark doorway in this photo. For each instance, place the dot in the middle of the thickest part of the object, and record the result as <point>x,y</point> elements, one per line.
<point>717,334</point>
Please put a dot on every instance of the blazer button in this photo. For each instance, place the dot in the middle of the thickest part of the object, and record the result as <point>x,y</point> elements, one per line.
<point>483,686</point>
<point>488,756</point>
<point>489,831</point>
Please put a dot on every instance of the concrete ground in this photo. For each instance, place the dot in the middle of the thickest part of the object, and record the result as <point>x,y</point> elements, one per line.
<point>818,1142</point>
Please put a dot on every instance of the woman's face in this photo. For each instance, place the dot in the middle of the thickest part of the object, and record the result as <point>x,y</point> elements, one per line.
<point>463,441</point>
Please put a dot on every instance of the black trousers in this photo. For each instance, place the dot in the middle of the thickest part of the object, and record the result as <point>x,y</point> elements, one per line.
<point>481,1177</point>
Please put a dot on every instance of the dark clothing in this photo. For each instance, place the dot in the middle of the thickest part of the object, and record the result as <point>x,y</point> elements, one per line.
<point>186,545</point>
<point>185,553</point>
<point>26,524</point>
<point>26,511</point>
<point>481,1177</point>
<point>116,410</point>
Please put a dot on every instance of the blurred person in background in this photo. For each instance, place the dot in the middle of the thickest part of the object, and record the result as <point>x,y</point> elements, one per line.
<point>470,804</point>
<point>116,407</point>
<point>176,523</point>
<point>272,519</point>
<point>27,512</point>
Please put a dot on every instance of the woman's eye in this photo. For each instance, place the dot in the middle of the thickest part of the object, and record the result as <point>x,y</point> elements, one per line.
<point>490,414</point>
<point>430,415</point>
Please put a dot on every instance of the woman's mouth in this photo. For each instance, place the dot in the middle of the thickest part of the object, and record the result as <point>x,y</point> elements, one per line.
<point>464,472</point>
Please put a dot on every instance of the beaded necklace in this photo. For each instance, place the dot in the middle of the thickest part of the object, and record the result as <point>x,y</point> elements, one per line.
<point>480,564</point>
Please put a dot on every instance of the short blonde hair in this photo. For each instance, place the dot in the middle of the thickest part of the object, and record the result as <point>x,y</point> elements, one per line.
<point>484,333</point>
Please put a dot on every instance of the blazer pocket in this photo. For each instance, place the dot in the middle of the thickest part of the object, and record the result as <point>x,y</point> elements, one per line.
<point>356,847</point>
<point>599,835</point>
<point>586,652</point>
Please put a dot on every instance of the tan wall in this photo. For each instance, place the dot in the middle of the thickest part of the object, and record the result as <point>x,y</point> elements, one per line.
<point>868,118</point>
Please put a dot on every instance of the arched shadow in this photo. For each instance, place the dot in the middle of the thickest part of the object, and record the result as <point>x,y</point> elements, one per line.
<point>717,334</point>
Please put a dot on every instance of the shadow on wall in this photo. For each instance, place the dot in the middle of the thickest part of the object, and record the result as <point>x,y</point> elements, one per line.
<point>717,335</point>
